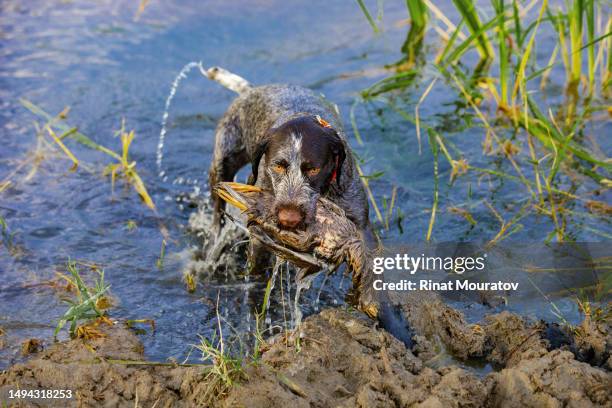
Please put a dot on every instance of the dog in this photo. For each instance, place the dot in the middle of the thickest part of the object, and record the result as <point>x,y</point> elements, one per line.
<point>294,141</point>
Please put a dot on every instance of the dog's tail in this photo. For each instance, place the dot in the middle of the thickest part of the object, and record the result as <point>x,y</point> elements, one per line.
<point>220,75</point>
<point>228,79</point>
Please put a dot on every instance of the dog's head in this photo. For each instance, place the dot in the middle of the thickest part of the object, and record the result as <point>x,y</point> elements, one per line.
<point>301,159</point>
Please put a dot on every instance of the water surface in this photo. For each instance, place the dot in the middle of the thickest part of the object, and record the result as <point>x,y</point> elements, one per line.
<point>107,67</point>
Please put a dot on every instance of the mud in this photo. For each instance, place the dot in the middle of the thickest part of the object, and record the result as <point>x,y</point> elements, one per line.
<point>555,379</point>
<point>438,326</point>
<point>510,339</point>
<point>87,368</point>
<point>341,359</point>
<point>593,340</point>
<point>346,361</point>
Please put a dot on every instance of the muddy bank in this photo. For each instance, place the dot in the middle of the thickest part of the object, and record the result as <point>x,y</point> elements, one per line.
<point>502,339</point>
<point>90,369</point>
<point>344,360</point>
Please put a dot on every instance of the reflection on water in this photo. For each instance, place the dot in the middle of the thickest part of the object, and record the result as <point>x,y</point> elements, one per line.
<point>95,58</point>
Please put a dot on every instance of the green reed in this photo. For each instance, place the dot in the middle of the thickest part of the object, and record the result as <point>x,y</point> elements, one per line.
<point>467,8</point>
<point>504,52</point>
<point>506,100</point>
<point>414,41</point>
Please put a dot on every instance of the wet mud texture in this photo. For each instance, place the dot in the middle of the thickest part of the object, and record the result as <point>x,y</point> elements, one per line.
<point>437,326</point>
<point>502,339</point>
<point>82,367</point>
<point>593,340</point>
<point>345,360</point>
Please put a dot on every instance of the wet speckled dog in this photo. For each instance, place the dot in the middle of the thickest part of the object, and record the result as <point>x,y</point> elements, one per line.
<point>294,141</point>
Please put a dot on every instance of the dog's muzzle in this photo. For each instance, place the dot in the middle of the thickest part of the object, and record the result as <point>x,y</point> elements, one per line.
<point>289,217</point>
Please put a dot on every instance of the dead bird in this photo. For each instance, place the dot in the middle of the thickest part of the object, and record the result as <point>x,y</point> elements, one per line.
<point>325,243</point>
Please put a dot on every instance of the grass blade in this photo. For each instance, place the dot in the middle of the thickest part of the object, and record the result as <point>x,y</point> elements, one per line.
<point>520,73</point>
<point>450,43</point>
<point>397,81</point>
<point>575,17</point>
<point>58,141</point>
<point>77,136</point>
<point>503,51</point>
<point>590,19</point>
<point>464,46</point>
<point>416,111</point>
<point>467,9</point>
<point>368,16</point>
<point>518,30</point>
<point>434,149</point>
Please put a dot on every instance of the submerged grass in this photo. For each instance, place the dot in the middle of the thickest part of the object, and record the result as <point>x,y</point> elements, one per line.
<point>8,237</point>
<point>122,167</point>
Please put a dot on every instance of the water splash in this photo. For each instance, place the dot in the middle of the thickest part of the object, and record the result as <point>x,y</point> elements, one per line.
<point>277,265</point>
<point>288,269</point>
<point>300,285</point>
<point>245,303</point>
<point>164,130</point>
<point>317,300</point>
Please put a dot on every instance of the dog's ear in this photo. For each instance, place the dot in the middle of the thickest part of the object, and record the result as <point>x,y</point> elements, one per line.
<point>259,152</point>
<point>339,152</point>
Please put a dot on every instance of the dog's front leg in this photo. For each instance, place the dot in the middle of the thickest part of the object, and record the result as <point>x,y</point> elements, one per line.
<point>229,156</point>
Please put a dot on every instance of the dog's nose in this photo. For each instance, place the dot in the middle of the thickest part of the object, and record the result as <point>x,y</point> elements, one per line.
<point>289,217</point>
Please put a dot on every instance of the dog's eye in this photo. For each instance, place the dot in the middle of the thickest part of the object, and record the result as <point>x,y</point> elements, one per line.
<point>280,168</point>
<point>313,171</point>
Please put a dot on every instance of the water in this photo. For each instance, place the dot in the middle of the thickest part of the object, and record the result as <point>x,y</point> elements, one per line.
<point>93,57</point>
<point>164,123</point>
